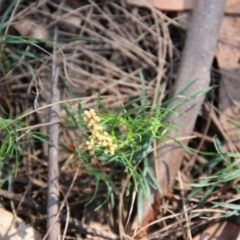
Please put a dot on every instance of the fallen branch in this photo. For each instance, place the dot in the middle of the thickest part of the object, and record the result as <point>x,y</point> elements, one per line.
<point>195,65</point>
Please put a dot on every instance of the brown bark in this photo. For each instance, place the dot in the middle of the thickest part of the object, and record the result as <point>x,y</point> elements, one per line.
<point>195,64</point>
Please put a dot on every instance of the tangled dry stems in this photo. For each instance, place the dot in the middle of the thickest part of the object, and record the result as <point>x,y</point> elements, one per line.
<point>118,43</point>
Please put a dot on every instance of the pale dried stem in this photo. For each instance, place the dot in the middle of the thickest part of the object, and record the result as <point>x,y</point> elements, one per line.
<point>53,225</point>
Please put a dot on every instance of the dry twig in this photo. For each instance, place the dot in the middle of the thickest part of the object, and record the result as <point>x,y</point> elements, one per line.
<point>53,225</point>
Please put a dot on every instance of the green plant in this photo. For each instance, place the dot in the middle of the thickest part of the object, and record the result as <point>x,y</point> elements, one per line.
<point>225,169</point>
<point>12,140</point>
<point>9,147</point>
<point>121,140</point>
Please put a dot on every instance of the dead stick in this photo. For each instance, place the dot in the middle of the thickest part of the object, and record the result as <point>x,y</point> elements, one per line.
<point>53,169</point>
<point>195,64</point>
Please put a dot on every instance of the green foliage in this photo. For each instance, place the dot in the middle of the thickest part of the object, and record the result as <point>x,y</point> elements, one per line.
<point>224,168</point>
<point>133,128</point>
<point>9,147</point>
<point>227,173</point>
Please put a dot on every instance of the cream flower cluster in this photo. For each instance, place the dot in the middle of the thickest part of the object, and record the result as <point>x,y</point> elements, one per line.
<point>98,136</point>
